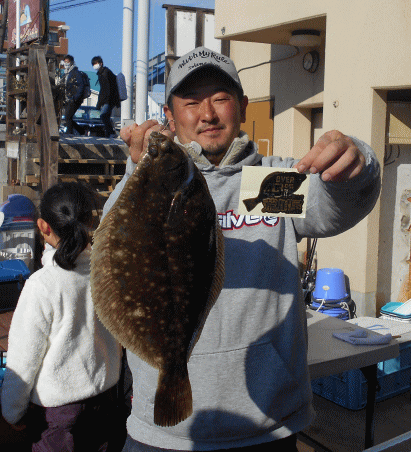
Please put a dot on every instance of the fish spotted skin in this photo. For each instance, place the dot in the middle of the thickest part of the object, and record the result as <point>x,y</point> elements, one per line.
<point>157,268</point>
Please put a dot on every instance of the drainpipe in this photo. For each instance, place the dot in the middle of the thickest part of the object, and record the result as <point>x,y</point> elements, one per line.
<point>142,60</point>
<point>127,61</point>
<point>17,47</point>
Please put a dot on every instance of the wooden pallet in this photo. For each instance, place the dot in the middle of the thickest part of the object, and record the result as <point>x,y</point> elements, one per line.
<point>102,174</point>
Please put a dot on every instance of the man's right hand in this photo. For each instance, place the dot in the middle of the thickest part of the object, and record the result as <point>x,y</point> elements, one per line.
<point>136,137</point>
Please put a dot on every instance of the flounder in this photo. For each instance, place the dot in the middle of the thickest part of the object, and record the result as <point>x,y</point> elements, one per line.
<point>278,183</point>
<point>157,268</point>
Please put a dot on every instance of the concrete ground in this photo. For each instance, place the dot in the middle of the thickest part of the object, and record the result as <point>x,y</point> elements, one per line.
<point>335,429</point>
<point>338,429</point>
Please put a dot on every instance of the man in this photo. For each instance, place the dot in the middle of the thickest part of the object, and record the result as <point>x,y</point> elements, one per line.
<point>108,97</point>
<point>74,88</point>
<point>248,371</point>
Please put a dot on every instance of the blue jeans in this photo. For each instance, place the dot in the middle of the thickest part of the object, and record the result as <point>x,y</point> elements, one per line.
<point>105,114</point>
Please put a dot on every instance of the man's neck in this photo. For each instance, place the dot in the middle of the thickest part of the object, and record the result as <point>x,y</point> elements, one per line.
<point>214,159</point>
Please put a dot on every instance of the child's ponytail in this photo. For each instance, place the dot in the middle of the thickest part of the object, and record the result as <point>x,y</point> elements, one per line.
<point>68,208</point>
<point>72,242</point>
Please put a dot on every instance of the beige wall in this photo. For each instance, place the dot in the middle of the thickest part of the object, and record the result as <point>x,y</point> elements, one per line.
<point>259,15</point>
<point>364,53</point>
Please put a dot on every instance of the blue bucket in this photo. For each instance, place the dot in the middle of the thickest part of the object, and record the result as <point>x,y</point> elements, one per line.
<point>330,284</point>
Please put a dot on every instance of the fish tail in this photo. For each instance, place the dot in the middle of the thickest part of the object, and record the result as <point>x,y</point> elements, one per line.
<point>173,401</point>
<point>250,203</point>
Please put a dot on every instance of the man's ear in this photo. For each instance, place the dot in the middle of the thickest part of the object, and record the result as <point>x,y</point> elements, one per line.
<point>43,226</point>
<point>243,107</point>
<point>170,118</point>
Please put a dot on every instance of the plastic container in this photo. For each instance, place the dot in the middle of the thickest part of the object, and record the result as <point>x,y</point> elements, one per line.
<point>13,273</point>
<point>342,309</point>
<point>349,389</point>
<point>390,311</point>
<point>17,229</point>
<point>330,295</point>
<point>2,370</point>
<point>330,284</point>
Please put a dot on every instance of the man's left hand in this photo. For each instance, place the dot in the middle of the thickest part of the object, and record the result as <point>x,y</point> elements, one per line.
<point>335,156</point>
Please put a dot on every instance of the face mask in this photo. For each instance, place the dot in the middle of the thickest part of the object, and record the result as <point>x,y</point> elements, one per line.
<point>96,67</point>
<point>66,65</point>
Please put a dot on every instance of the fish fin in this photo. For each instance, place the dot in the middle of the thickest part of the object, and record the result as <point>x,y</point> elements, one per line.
<point>250,203</point>
<point>173,401</point>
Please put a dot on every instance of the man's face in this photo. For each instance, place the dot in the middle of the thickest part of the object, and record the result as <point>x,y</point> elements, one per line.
<point>207,110</point>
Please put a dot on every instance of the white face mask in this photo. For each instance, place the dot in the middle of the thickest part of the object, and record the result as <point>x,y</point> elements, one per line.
<point>96,67</point>
<point>66,65</point>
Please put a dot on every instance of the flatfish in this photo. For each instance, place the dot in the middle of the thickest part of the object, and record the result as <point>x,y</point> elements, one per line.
<point>279,184</point>
<point>157,268</point>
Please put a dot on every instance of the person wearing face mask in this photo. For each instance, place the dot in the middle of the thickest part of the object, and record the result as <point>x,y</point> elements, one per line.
<point>73,87</point>
<point>108,97</point>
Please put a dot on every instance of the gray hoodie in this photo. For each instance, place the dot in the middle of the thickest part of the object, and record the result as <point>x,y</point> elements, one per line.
<point>248,371</point>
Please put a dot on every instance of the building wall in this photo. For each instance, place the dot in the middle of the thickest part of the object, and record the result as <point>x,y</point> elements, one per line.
<point>61,46</point>
<point>363,54</point>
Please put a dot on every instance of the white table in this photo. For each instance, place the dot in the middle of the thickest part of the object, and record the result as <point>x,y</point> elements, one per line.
<point>329,356</point>
<point>402,330</point>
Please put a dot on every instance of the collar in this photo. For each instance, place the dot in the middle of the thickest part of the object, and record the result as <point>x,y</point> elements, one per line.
<point>239,148</point>
<point>48,254</point>
<point>49,251</point>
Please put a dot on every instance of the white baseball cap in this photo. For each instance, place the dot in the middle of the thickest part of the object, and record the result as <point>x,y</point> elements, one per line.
<point>198,59</point>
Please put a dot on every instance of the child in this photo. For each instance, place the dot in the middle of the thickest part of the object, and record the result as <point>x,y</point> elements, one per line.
<point>60,357</point>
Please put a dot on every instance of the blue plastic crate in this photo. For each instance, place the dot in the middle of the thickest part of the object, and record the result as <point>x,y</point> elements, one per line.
<point>349,389</point>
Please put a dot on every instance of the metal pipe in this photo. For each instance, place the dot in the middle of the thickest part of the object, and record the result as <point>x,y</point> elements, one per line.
<point>17,47</point>
<point>127,60</point>
<point>142,60</point>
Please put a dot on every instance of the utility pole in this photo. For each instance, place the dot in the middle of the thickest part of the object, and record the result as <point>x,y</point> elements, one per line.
<point>142,60</point>
<point>127,61</point>
<point>18,12</point>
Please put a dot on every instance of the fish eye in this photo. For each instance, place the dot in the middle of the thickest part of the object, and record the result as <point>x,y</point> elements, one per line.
<point>165,146</point>
<point>153,151</point>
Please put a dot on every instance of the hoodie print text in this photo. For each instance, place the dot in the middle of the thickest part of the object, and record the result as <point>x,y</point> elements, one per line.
<point>229,220</point>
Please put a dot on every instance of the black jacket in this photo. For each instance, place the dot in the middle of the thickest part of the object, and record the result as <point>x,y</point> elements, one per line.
<point>108,88</point>
<point>74,85</point>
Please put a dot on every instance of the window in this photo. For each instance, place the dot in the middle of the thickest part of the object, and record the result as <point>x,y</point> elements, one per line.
<point>53,38</point>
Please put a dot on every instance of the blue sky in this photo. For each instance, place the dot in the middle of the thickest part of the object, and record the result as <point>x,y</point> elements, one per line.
<point>97,28</point>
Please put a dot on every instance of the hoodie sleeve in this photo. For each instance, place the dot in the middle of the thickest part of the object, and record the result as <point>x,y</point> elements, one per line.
<point>334,207</point>
<point>130,167</point>
<point>28,339</point>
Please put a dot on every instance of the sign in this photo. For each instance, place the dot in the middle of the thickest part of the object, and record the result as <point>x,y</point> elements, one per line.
<point>279,192</point>
<point>31,17</point>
